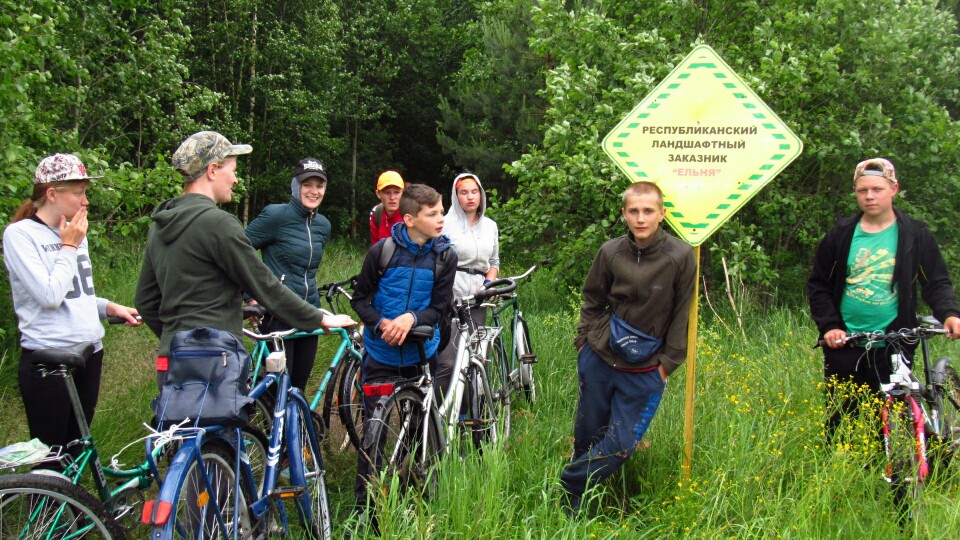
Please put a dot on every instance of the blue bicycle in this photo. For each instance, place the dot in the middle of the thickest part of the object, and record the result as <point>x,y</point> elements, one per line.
<point>211,490</point>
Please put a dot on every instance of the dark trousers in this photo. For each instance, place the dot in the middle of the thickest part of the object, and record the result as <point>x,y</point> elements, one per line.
<point>448,356</point>
<point>50,416</point>
<point>373,372</point>
<point>301,354</point>
<point>614,410</point>
<point>857,366</point>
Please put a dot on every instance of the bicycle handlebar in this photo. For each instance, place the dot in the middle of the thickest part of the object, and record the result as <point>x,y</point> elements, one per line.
<point>279,334</point>
<point>497,287</point>
<point>530,270</point>
<point>904,334</point>
<point>116,319</point>
<point>333,289</point>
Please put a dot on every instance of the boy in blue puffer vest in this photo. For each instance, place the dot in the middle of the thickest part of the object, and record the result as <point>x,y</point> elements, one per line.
<point>407,294</point>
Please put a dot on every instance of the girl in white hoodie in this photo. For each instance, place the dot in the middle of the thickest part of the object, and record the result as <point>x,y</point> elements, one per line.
<point>476,239</point>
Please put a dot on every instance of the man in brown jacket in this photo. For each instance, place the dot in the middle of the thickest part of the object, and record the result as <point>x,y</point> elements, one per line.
<point>632,334</point>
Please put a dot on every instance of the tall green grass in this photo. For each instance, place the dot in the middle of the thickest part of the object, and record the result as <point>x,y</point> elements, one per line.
<point>760,468</point>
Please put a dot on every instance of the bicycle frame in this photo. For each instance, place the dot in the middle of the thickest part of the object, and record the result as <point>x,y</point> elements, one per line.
<point>139,477</point>
<point>289,407</point>
<point>510,302</point>
<point>347,346</point>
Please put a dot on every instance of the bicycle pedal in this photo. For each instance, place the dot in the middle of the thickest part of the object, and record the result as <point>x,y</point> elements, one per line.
<point>477,423</point>
<point>528,359</point>
<point>286,492</point>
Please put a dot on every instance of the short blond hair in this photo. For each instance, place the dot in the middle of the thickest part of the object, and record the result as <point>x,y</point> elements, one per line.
<point>641,188</point>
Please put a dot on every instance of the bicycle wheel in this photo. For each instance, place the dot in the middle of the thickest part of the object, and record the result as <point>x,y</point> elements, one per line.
<point>34,506</point>
<point>306,469</point>
<point>261,419</point>
<point>255,444</point>
<point>400,448</point>
<point>482,413</point>
<point>498,375</point>
<point>904,442</point>
<point>526,358</point>
<point>950,390</point>
<point>335,433</point>
<point>350,400</point>
<point>194,515</point>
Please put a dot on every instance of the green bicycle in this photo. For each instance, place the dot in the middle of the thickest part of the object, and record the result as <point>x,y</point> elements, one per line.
<point>56,505</point>
<point>514,371</point>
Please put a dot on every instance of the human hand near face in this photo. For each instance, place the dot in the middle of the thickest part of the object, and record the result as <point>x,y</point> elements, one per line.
<point>74,232</point>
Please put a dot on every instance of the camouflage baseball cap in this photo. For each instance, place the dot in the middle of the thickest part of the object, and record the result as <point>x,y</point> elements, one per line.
<point>203,148</point>
<point>875,167</point>
<point>61,168</point>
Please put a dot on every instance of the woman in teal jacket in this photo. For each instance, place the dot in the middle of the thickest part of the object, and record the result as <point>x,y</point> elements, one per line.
<point>291,238</point>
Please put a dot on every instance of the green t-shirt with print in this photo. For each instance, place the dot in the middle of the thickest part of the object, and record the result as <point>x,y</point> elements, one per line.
<point>869,303</point>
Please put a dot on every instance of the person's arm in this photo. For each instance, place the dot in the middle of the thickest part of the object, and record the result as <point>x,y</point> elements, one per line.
<point>820,287</point>
<point>366,288</point>
<point>373,228</point>
<point>494,261</point>
<point>936,288</point>
<point>48,287</point>
<point>596,291</point>
<point>263,229</point>
<point>239,261</point>
<point>674,350</point>
<point>442,294</point>
<point>149,295</point>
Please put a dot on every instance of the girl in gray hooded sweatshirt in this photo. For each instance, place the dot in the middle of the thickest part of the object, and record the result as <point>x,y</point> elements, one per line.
<point>476,239</point>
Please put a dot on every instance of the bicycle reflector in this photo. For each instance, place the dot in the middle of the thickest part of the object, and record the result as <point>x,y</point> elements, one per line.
<point>378,390</point>
<point>156,514</point>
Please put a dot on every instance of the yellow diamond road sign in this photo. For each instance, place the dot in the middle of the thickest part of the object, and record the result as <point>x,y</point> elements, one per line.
<point>706,139</point>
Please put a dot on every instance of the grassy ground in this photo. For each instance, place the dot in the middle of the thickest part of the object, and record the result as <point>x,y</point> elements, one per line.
<point>760,469</point>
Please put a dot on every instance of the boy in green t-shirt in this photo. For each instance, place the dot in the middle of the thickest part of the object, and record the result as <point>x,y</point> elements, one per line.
<point>864,278</point>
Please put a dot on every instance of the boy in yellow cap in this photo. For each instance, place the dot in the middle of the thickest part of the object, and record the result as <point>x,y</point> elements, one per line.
<point>384,215</point>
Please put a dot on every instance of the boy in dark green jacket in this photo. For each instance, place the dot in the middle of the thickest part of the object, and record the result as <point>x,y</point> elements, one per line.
<point>645,279</point>
<point>198,260</point>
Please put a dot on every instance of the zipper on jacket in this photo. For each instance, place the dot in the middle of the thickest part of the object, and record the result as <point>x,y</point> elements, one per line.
<point>413,274</point>
<point>306,270</point>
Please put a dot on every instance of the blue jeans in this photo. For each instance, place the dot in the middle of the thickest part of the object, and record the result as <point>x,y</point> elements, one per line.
<point>614,409</point>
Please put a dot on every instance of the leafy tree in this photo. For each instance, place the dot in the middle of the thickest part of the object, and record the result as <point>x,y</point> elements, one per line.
<point>276,64</point>
<point>853,79</point>
<point>398,58</point>
<point>27,53</point>
<point>493,112</point>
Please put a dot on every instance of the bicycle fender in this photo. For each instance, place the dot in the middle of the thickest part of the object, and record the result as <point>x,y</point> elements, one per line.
<point>157,512</point>
<point>938,371</point>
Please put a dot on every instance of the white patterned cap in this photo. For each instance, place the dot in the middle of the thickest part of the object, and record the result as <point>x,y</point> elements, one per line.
<point>875,167</point>
<point>61,168</point>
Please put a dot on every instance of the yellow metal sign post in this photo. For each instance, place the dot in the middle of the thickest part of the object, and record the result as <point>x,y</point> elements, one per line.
<point>710,144</point>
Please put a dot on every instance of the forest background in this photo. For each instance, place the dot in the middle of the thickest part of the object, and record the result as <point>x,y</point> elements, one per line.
<point>520,92</point>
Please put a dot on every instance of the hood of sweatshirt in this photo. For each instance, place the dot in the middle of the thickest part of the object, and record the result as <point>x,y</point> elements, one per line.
<point>456,215</point>
<point>174,216</point>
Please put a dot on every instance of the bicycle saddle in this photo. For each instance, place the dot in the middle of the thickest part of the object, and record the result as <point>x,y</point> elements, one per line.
<point>75,356</point>
<point>420,334</point>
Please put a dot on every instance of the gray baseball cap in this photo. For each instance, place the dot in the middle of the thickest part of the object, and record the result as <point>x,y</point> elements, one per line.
<point>203,148</point>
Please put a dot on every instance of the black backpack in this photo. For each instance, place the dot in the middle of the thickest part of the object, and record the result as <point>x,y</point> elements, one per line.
<point>387,251</point>
<point>377,214</point>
